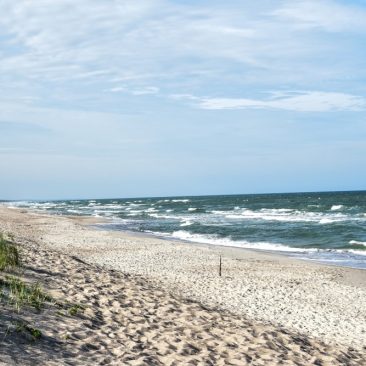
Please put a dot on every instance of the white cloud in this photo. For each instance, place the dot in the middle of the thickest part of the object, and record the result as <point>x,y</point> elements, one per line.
<point>146,90</point>
<point>117,89</point>
<point>310,101</point>
<point>79,48</point>
<point>326,14</point>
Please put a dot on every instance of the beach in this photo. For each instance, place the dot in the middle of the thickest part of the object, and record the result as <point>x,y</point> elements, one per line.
<point>162,302</point>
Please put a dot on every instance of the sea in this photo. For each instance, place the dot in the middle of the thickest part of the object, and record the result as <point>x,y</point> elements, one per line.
<point>326,227</point>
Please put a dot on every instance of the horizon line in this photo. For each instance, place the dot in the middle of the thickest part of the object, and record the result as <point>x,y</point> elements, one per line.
<point>183,196</point>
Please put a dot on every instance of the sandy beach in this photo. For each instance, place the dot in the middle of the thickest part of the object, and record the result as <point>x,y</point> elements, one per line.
<point>148,301</point>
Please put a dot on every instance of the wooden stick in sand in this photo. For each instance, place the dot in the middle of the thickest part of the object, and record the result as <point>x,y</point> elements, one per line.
<point>220,267</point>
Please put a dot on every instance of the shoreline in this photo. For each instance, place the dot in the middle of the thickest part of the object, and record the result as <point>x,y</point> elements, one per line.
<point>272,253</point>
<point>102,223</point>
<point>321,301</point>
<point>356,275</point>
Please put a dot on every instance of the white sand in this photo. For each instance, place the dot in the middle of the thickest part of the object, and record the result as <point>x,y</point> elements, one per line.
<point>322,301</point>
<point>258,289</point>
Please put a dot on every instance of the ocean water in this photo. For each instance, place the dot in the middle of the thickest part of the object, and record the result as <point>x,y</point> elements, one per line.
<point>328,227</point>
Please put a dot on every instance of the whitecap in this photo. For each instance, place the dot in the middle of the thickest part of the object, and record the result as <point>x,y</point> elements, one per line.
<point>336,207</point>
<point>186,223</point>
<point>326,221</point>
<point>357,242</point>
<point>214,240</point>
<point>151,209</point>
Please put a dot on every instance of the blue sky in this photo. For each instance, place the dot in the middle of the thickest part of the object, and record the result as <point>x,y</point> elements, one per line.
<point>155,97</point>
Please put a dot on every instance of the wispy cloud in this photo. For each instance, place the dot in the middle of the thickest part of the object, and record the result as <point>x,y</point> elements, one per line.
<point>309,101</point>
<point>131,89</point>
<point>146,90</point>
<point>61,51</point>
<point>330,15</point>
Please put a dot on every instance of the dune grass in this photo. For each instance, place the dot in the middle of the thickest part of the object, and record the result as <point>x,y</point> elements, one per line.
<point>25,328</point>
<point>9,254</point>
<point>18,293</point>
<point>13,290</point>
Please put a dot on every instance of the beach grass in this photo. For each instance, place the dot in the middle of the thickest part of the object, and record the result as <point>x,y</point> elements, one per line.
<point>13,290</point>
<point>25,328</point>
<point>9,254</point>
<point>19,294</point>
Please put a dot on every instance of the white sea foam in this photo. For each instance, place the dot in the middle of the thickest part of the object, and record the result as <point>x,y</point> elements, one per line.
<point>160,216</point>
<point>108,206</point>
<point>336,207</point>
<point>74,211</point>
<point>192,209</point>
<point>151,209</point>
<point>212,239</point>
<point>326,221</point>
<point>326,255</point>
<point>186,223</point>
<point>358,252</point>
<point>183,201</point>
<point>284,215</point>
<point>358,242</point>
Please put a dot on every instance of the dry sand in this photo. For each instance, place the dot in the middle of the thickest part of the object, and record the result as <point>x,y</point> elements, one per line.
<point>156,302</point>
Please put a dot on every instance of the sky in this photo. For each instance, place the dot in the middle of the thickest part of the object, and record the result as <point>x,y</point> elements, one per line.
<point>141,98</point>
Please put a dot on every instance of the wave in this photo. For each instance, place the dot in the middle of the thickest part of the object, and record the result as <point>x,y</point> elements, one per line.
<point>215,240</point>
<point>75,211</point>
<point>316,253</point>
<point>353,246</point>
<point>336,207</point>
<point>107,207</point>
<point>283,214</point>
<point>356,242</point>
<point>169,217</point>
<point>186,223</point>
<point>151,209</point>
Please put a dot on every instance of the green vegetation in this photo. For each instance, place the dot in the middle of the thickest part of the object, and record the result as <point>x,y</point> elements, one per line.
<point>69,309</point>
<point>9,254</point>
<point>20,294</point>
<point>15,292</point>
<point>22,327</point>
<point>76,309</point>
